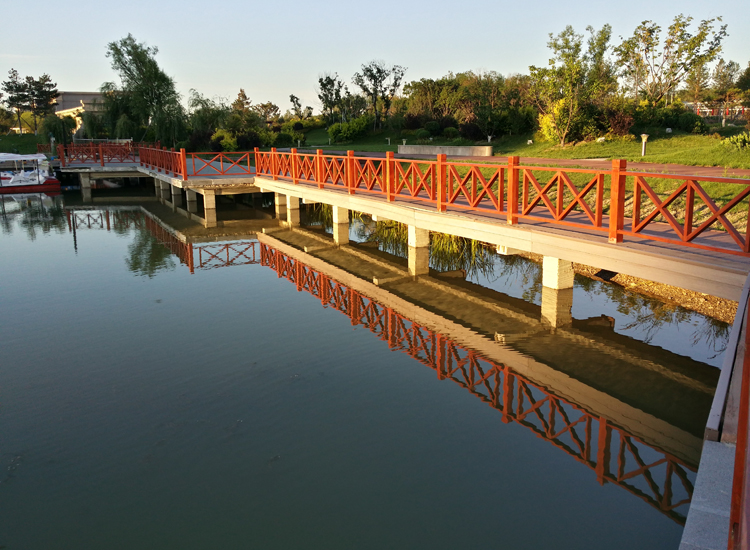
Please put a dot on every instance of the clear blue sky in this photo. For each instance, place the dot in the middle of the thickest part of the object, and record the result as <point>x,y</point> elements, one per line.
<point>273,49</point>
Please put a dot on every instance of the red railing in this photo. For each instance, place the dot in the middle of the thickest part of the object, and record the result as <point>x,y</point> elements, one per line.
<point>660,479</point>
<point>100,153</point>
<point>699,212</point>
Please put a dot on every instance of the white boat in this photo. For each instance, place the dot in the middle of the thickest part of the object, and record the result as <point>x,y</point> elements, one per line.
<point>21,180</point>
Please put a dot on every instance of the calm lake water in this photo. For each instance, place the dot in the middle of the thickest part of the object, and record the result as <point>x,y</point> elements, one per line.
<point>145,406</point>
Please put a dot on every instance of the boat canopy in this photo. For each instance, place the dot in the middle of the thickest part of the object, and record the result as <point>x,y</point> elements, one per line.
<point>10,157</point>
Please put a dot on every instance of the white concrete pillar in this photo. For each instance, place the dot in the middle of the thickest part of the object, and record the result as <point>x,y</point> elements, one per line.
<point>85,179</point>
<point>419,251</point>
<point>340,225</point>
<point>557,273</point>
<point>176,196</point>
<point>292,211</point>
<point>192,201</point>
<point>557,307</point>
<point>279,201</point>
<point>209,207</point>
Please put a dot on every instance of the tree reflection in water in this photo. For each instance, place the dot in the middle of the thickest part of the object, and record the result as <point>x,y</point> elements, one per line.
<point>35,213</point>
<point>147,255</point>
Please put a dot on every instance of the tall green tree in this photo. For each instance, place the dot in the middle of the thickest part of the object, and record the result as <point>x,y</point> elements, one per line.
<point>564,89</point>
<point>724,92</point>
<point>153,99</point>
<point>42,95</point>
<point>330,94</point>
<point>17,93</point>
<point>697,83</point>
<point>659,67</point>
<point>379,82</point>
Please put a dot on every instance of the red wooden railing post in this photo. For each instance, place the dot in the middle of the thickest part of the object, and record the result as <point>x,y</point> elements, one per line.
<point>441,182</point>
<point>351,175</point>
<point>256,151</point>
<point>293,159</point>
<point>617,200</point>
<point>320,168</point>
<point>508,380</point>
<point>183,164</point>
<point>513,185</point>
<point>390,176</point>
<point>101,154</point>
<point>61,155</point>
<point>602,451</point>
<point>274,163</point>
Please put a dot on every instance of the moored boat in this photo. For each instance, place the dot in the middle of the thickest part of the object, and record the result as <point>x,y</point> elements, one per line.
<point>21,180</point>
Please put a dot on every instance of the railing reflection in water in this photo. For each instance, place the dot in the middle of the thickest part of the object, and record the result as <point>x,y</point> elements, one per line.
<point>660,479</point>
<point>616,456</point>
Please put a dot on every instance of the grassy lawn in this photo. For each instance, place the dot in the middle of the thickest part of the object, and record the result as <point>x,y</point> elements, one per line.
<point>20,144</point>
<point>686,149</point>
<point>676,148</point>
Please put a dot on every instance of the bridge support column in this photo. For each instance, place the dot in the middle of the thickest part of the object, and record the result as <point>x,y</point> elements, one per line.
<point>279,201</point>
<point>556,307</point>
<point>340,225</point>
<point>292,211</point>
<point>209,207</point>
<point>176,196</point>
<point>85,186</point>
<point>419,251</point>
<point>557,273</point>
<point>192,201</point>
<point>162,191</point>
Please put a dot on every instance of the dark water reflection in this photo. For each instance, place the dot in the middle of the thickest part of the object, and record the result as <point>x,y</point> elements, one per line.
<point>268,400</point>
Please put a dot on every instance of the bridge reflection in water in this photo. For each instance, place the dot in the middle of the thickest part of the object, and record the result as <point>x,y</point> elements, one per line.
<point>658,471</point>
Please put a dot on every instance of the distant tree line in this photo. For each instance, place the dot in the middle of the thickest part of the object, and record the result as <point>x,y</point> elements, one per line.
<point>589,89</point>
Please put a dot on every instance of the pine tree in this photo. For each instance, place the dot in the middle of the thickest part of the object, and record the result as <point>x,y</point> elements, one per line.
<point>18,94</point>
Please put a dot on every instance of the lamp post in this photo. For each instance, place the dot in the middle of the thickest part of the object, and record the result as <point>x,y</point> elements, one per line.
<point>644,139</point>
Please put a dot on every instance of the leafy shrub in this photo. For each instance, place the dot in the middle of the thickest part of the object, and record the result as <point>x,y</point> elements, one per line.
<point>448,122</point>
<point>690,122</point>
<point>619,121</point>
<point>422,134</point>
<point>471,131</point>
<point>450,132</point>
<point>223,140</point>
<point>740,141</point>
<point>249,140</point>
<point>200,140</point>
<point>349,130</point>
<point>298,126</point>
<point>433,128</point>
<point>61,128</point>
<point>284,140</point>
<point>412,122</point>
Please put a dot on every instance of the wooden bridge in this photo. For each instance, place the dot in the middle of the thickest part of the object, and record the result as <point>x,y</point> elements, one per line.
<point>689,232</point>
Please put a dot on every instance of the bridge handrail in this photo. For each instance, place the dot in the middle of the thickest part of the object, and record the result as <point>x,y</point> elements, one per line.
<point>617,202</point>
<point>685,210</point>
